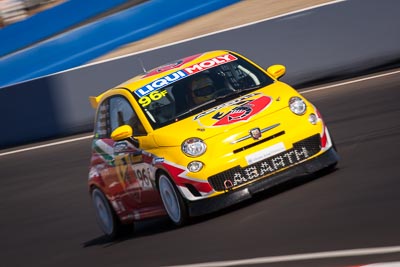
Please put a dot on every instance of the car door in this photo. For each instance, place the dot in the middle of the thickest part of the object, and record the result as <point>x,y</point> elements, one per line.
<point>133,166</point>
<point>102,158</point>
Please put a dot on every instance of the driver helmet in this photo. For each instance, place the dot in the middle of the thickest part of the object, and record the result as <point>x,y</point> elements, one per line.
<point>202,89</point>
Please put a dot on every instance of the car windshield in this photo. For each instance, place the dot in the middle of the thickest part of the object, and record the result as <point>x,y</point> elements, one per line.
<point>181,94</point>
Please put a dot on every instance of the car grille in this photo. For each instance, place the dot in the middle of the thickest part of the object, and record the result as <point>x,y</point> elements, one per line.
<point>236,176</point>
<point>259,142</point>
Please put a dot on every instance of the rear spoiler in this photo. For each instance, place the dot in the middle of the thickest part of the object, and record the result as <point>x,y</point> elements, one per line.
<point>95,100</point>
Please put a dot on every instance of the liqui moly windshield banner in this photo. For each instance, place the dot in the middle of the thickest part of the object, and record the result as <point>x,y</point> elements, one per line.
<point>180,74</point>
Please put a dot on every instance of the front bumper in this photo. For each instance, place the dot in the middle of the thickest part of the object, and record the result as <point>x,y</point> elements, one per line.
<point>205,206</point>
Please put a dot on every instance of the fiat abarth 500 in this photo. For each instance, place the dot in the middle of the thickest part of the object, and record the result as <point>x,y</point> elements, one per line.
<point>197,135</point>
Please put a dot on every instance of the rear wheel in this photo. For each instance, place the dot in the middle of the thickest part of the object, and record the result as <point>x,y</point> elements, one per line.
<point>106,217</point>
<point>173,201</point>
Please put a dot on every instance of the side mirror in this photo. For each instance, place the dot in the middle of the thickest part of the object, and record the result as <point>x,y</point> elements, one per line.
<point>276,71</point>
<point>122,133</point>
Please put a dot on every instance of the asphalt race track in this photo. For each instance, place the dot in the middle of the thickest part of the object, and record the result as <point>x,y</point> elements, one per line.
<point>47,220</point>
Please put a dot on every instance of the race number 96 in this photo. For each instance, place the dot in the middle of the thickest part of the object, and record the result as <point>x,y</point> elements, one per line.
<point>154,96</point>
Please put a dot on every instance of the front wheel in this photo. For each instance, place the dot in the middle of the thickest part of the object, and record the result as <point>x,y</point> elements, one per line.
<point>106,217</point>
<point>173,201</point>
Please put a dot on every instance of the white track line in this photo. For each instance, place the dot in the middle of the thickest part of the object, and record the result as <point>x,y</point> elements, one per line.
<point>46,145</point>
<point>384,264</point>
<point>350,82</point>
<point>212,33</point>
<point>190,39</point>
<point>299,257</point>
<point>302,92</point>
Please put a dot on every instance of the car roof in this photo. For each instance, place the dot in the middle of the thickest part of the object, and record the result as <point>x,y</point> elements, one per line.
<point>165,69</point>
<point>143,79</point>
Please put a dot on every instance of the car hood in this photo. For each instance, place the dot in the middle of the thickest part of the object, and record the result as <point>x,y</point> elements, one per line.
<point>223,119</point>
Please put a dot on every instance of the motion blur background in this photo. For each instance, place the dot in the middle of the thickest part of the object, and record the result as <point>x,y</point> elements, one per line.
<point>101,44</point>
<point>40,38</point>
<point>12,11</point>
<point>46,214</point>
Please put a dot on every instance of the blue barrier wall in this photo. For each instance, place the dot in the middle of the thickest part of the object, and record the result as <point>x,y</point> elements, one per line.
<point>79,46</point>
<point>50,22</point>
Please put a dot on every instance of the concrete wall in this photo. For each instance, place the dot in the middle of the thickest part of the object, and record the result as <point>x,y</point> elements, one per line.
<point>336,41</point>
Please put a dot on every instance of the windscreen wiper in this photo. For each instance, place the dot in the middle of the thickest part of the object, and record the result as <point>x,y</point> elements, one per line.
<point>196,107</point>
<point>219,98</point>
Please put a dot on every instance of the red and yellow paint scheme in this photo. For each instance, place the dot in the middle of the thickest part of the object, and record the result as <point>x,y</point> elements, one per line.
<point>197,135</point>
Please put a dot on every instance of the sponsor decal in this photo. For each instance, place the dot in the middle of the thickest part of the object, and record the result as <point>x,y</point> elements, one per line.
<point>267,166</point>
<point>210,63</point>
<point>172,65</point>
<point>265,153</point>
<point>238,101</point>
<point>180,74</point>
<point>154,96</point>
<point>104,150</point>
<point>120,147</point>
<point>160,83</point>
<point>157,160</point>
<point>243,112</point>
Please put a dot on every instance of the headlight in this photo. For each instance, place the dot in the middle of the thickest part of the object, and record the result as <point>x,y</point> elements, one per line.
<point>297,105</point>
<point>193,147</point>
<point>313,119</point>
<point>195,166</point>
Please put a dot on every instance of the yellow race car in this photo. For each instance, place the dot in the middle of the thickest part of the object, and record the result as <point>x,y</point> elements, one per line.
<point>197,135</point>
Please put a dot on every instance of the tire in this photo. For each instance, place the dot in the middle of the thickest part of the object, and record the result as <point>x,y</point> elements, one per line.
<point>106,217</point>
<point>173,201</point>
